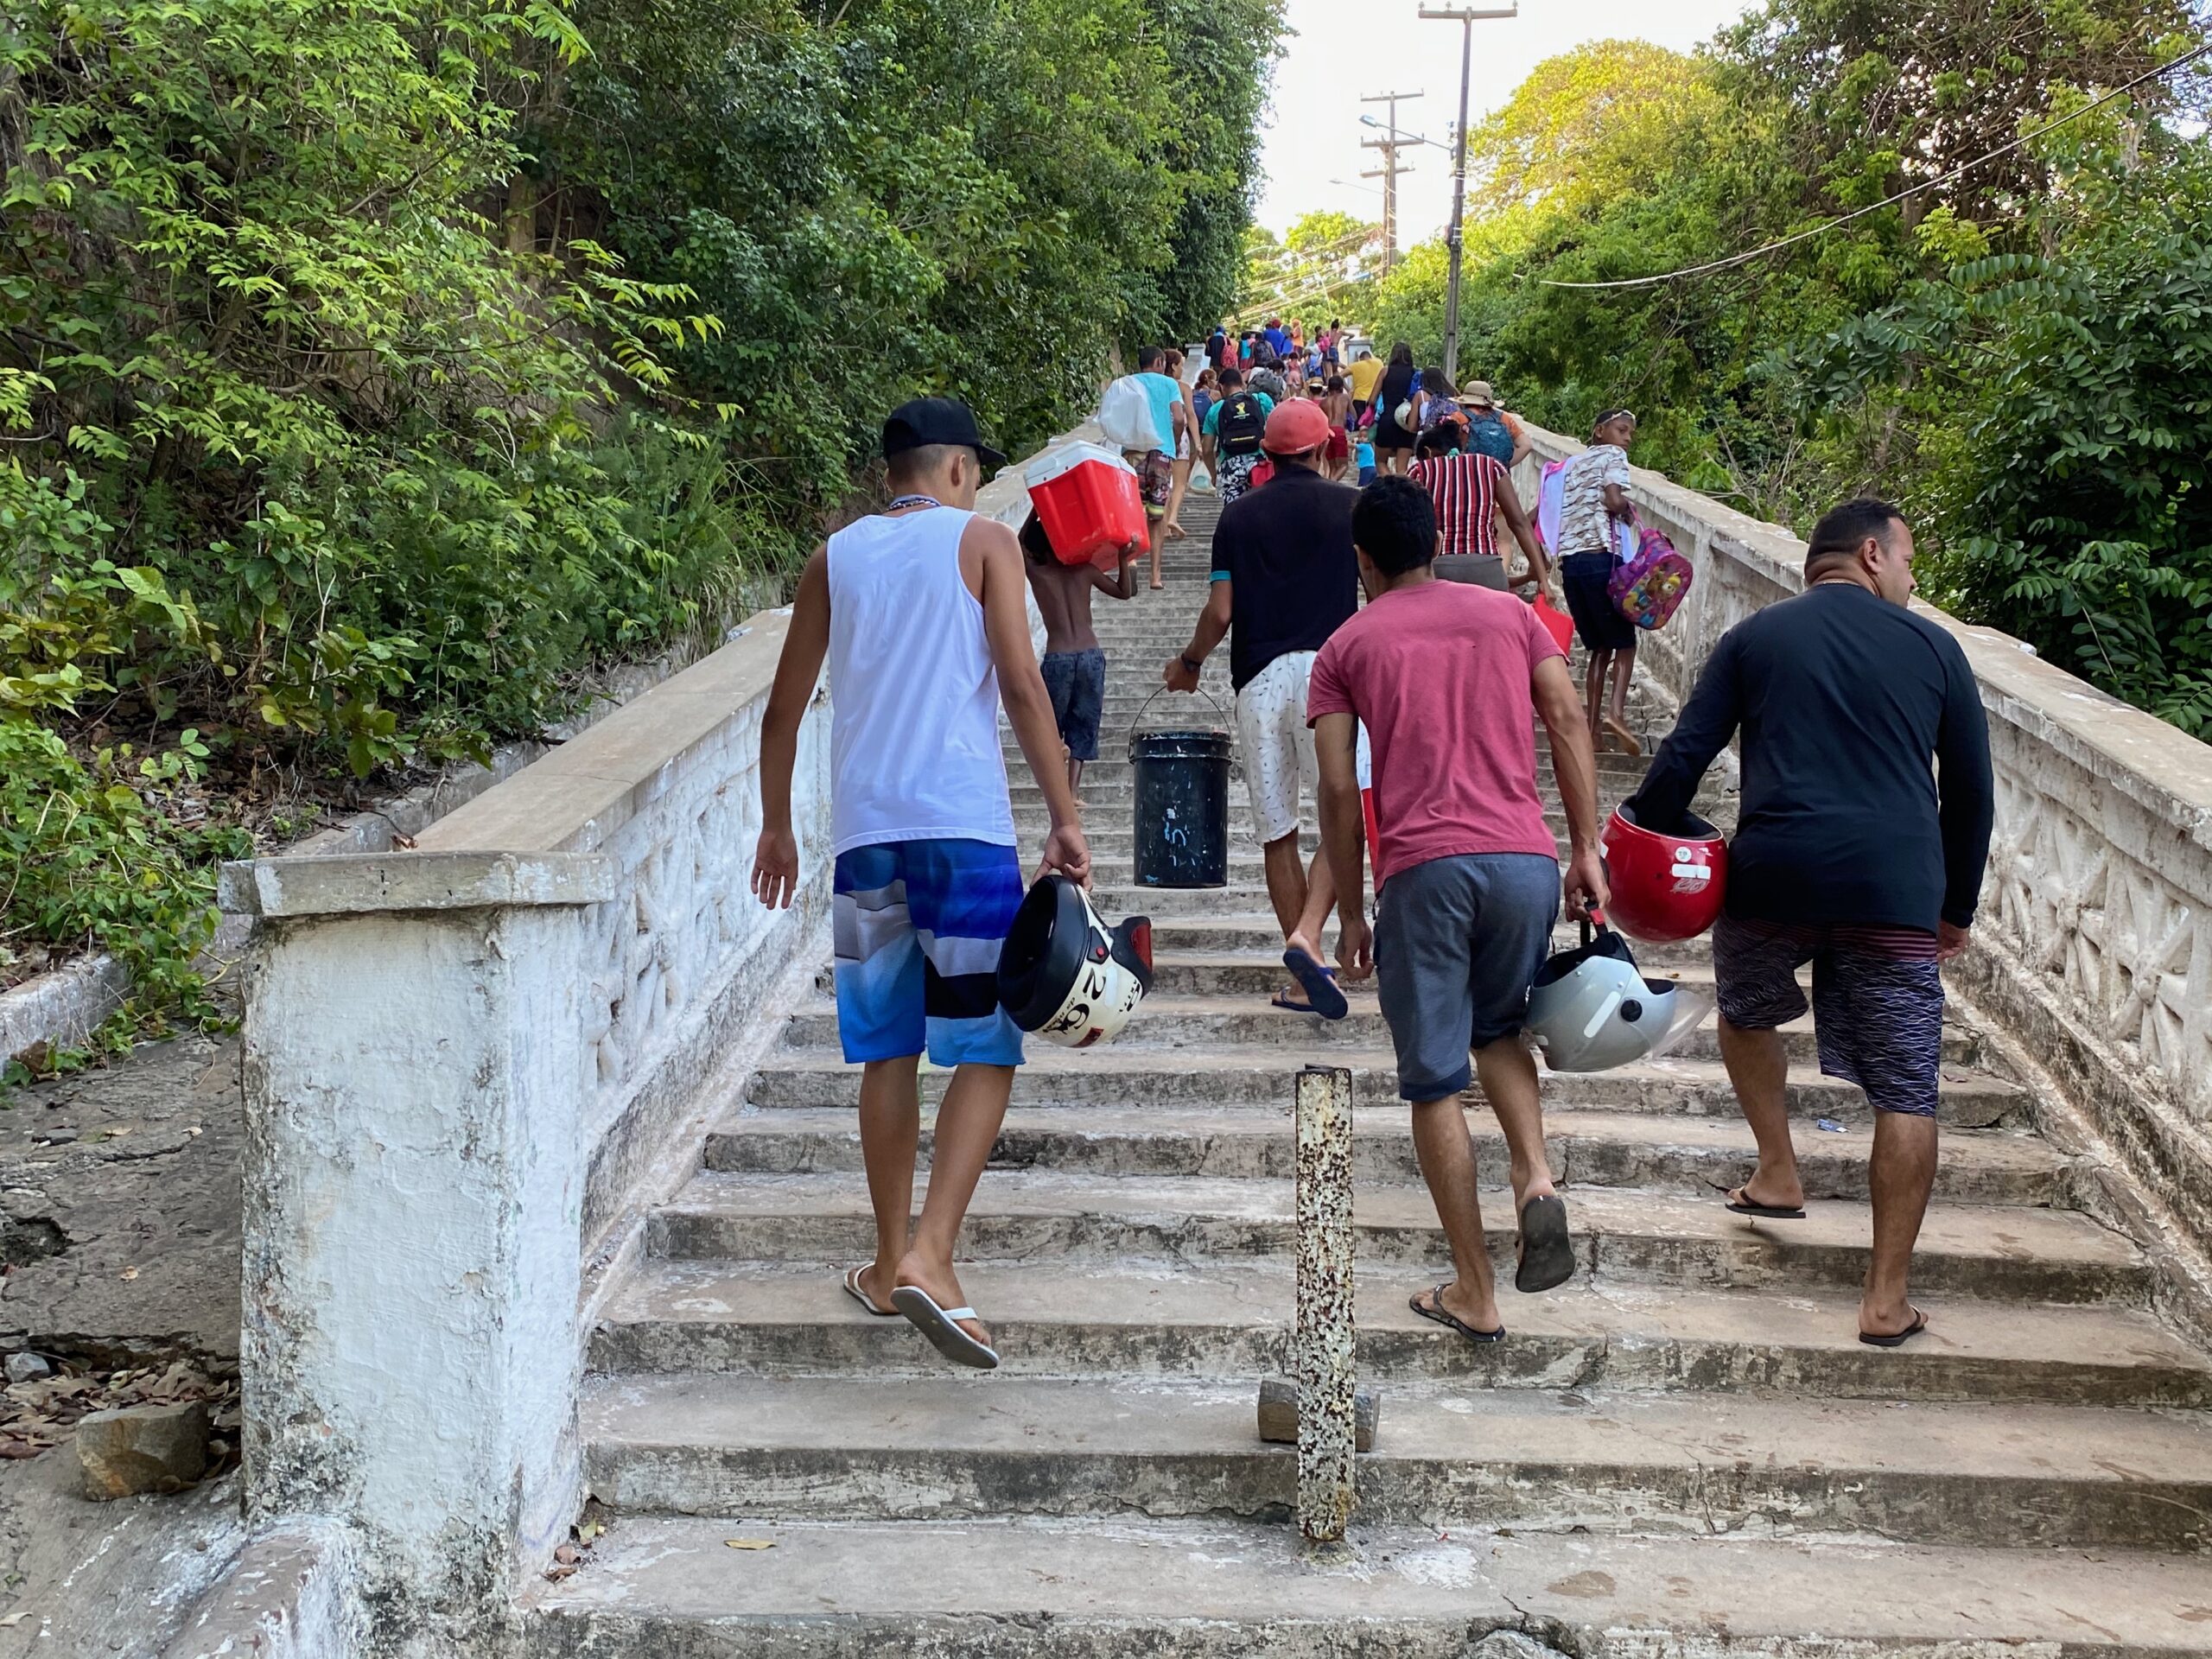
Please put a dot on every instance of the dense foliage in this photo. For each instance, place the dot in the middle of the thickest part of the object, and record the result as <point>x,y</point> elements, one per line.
<point>369,370</point>
<point>2015,355</point>
<point>971,195</point>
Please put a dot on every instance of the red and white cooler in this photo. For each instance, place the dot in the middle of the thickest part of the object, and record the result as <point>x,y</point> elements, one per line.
<point>1088,501</point>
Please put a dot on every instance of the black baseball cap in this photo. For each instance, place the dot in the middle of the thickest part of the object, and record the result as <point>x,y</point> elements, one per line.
<point>928,421</point>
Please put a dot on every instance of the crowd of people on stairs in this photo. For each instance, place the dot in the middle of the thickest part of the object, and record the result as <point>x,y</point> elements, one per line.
<point>1866,797</point>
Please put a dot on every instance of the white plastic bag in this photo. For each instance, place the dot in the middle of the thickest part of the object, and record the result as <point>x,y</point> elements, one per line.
<point>1125,414</point>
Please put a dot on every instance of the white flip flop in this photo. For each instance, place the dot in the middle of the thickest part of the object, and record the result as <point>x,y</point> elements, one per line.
<point>941,1326</point>
<point>853,1289</point>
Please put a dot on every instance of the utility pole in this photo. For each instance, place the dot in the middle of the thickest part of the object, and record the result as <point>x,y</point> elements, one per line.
<point>1390,144</point>
<point>1466,17</point>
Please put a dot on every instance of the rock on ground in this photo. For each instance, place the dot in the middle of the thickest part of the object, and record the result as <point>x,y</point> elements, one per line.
<point>136,1449</point>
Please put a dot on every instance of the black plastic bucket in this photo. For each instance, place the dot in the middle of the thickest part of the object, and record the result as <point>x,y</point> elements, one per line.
<point>1182,807</point>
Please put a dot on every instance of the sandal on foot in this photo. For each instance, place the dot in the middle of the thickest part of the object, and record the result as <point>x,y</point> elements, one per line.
<point>1444,1316</point>
<point>942,1327</point>
<point>1547,1252</point>
<point>1738,1204</point>
<point>1625,738</point>
<point>1318,983</point>
<point>853,1289</point>
<point>1897,1339</point>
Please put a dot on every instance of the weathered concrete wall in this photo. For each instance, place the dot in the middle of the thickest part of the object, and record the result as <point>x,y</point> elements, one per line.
<point>2093,949</point>
<point>465,1065</point>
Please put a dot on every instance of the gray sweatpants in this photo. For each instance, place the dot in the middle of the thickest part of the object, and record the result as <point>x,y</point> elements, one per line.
<point>1457,942</point>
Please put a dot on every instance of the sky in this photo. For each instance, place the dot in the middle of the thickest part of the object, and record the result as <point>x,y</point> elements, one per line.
<point>1342,49</point>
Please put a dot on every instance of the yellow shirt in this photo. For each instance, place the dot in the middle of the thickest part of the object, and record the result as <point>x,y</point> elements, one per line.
<point>1364,375</point>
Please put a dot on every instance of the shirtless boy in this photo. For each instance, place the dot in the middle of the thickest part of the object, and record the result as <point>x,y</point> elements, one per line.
<point>1336,403</point>
<point>1074,665</point>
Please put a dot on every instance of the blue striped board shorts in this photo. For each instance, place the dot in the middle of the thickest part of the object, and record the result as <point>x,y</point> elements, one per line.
<point>1877,1001</point>
<point>919,925</point>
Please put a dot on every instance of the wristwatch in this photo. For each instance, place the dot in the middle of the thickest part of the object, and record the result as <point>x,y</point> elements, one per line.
<point>1195,668</point>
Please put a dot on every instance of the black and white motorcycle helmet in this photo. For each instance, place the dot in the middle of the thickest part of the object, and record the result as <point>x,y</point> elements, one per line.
<point>1591,1010</point>
<point>1064,975</point>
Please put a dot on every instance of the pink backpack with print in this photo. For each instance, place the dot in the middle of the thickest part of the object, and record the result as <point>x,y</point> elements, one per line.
<point>1649,589</point>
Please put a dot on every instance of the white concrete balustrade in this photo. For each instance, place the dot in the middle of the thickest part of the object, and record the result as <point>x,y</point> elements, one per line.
<point>471,1066</point>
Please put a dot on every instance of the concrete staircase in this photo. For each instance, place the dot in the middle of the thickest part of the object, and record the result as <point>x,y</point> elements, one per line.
<point>1684,1451</point>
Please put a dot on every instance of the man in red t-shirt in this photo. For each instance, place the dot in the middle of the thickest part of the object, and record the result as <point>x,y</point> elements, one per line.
<point>1449,679</point>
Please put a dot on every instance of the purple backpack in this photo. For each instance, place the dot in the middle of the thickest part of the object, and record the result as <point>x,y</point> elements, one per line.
<point>1649,589</point>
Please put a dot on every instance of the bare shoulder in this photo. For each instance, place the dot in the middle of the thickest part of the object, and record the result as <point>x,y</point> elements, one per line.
<point>987,538</point>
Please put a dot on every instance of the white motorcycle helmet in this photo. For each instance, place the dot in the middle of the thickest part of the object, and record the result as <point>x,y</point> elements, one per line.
<point>1064,975</point>
<point>1590,1010</point>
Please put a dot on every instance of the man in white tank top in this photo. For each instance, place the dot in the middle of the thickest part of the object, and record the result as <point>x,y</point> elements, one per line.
<point>921,613</point>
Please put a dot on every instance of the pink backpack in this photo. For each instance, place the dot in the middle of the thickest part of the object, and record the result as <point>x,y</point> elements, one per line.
<point>1649,589</point>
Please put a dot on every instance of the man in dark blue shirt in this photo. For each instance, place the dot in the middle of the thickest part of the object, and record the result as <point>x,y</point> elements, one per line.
<point>1850,853</point>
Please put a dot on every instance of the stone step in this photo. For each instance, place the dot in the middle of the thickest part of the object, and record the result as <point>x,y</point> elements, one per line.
<point>1219,1589</point>
<point>1622,1235</point>
<point>1256,933</point>
<point>1114,844</point>
<point>1110,799</point>
<point>936,1447</point>
<point>1115,821</point>
<point>1259,973</point>
<point>1120,897</point>
<point>1260,1076</point>
<point>1113,771</point>
<point>1169,1020</point>
<point>1682,1155</point>
<point>1233,1320</point>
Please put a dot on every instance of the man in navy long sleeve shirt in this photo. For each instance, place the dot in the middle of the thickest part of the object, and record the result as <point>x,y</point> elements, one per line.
<point>1862,838</point>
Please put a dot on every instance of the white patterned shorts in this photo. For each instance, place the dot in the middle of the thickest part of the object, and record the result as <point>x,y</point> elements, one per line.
<point>1276,746</point>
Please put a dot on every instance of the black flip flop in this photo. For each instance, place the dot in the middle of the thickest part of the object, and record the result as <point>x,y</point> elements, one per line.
<point>1743,1207</point>
<point>1319,984</point>
<point>1899,1340</point>
<point>1443,1315</point>
<point>1547,1252</point>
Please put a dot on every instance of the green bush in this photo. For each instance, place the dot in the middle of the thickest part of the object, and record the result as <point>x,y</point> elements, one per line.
<point>90,854</point>
<point>369,371</point>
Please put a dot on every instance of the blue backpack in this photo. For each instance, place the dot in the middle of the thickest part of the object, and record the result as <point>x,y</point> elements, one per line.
<point>1488,435</point>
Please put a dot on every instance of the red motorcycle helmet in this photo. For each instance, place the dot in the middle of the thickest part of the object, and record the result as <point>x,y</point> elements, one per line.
<point>1665,887</point>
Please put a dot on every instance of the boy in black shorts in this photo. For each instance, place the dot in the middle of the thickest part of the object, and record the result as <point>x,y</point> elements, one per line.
<point>1074,665</point>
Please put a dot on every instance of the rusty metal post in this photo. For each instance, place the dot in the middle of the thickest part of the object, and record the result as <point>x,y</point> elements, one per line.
<point>1322,1360</point>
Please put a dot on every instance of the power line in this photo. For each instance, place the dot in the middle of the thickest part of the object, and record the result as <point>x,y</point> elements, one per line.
<point>1301,286</point>
<point>1964,168</point>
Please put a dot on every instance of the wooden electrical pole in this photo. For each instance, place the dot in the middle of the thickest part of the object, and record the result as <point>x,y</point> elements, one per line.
<point>1390,144</point>
<point>1466,17</point>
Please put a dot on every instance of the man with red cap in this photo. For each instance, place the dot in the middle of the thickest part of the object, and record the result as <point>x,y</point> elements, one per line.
<point>1285,578</point>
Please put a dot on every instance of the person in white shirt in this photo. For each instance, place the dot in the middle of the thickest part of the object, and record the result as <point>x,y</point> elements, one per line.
<point>921,612</point>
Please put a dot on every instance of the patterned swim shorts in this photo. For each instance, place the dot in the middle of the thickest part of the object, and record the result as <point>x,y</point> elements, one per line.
<point>1877,1001</point>
<point>919,925</point>
<point>1233,476</point>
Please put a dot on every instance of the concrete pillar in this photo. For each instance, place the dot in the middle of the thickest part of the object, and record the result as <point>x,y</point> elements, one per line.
<point>413,1193</point>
